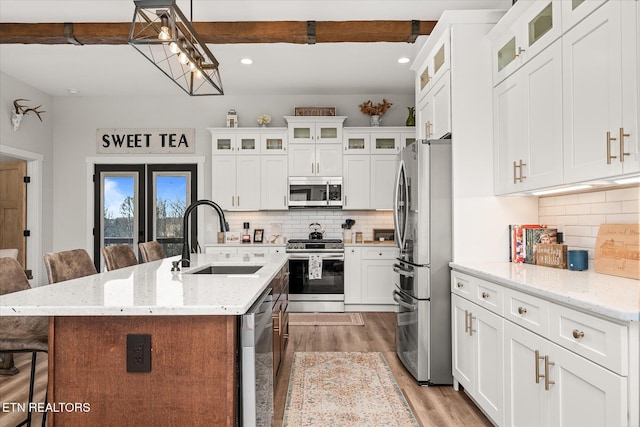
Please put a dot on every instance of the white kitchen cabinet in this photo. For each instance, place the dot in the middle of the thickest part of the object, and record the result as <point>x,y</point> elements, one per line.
<point>528,125</point>
<point>434,110</point>
<point>273,141</point>
<point>315,159</point>
<point>385,142</point>
<point>273,182</point>
<point>356,186</point>
<point>561,366</point>
<point>352,275</point>
<point>575,11</point>
<point>377,275</point>
<point>356,141</point>
<point>382,181</point>
<point>236,182</point>
<point>235,142</point>
<point>251,249</point>
<point>546,384</point>
<point>369,277</point>
<point>600,94</point>
<point>305,129</point>
<point>477,347</point>
<point>437,63</point>
<point>525,30</point>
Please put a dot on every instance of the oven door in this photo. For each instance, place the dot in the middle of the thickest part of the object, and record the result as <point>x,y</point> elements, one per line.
<point>331,280</point>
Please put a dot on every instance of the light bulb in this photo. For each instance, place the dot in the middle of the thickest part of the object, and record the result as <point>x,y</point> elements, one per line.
<point>198,74</point>
<point>165,32</point>
<point>182,58</point>
<point>192,66</point>
<point>173,47</point>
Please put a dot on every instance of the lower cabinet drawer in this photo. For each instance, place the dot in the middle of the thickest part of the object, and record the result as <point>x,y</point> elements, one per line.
<point>379,253</point>
<point>463,285</point>
<point>599,340</point>
<point>527,311</point>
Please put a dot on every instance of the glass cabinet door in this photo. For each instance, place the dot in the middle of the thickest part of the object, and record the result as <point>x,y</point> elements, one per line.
<point>356,143</point>
<point>328,132</point>
<point>224,144</point>
<point>248,144</point>
<point>541,24</point>
<point>274,143</point>
<point>385,143</point>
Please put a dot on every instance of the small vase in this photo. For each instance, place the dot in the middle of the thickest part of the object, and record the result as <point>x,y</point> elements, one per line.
<point>411,120</point>
<point>375,120</point>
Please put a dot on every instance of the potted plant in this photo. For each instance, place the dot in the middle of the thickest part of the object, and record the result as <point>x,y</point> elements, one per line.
<point>375,111</point>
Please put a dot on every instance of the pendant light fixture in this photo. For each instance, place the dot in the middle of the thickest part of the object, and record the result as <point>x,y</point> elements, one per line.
<point>162,33</point>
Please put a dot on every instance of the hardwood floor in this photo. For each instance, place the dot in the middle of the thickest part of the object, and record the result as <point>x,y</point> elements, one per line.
<point>15,388</point>
<point>439,406</point>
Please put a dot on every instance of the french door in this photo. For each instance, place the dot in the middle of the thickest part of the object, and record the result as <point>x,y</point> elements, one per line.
<point>142,202</point>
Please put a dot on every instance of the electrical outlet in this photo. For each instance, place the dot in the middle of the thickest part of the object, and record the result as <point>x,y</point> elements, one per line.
<point>138,353</point>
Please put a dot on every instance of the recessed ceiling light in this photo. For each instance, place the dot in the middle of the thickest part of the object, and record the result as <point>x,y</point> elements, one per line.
<point>246,61</point>
<point>74,91</point>
<point>403,60</point>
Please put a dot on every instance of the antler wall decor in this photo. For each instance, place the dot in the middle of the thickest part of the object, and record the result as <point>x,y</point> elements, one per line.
<point>19,112</point>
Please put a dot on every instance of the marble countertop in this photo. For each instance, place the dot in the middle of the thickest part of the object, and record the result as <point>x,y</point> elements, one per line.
<point>610,296</point>
<point>151,289</point>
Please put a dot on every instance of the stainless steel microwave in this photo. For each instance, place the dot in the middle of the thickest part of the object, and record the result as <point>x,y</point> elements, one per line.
<point>315,192</point>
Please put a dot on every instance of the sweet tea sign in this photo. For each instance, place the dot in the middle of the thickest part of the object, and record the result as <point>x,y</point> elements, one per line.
<point>145,141</point>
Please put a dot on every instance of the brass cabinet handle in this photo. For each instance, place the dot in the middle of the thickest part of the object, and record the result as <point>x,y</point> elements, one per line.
<point>546,373</point>
<point>538,359</point>
<point>485,295</point>
<point>578,334</point>
<point>609,156</point>
<point>276,326</point>
<point>466,321</point>
<point>518,177</point>
<point>621,138</point>
<point>238,201</point>
<point>522,310</point>
<point>345,200</point>
<point>460,285</point>
<point>318,167</point>
<point>471,319</point>
<point>312,166</point>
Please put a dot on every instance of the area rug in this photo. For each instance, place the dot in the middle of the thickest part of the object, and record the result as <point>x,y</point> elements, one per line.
<point>325,319</point>
<point>344,389</point>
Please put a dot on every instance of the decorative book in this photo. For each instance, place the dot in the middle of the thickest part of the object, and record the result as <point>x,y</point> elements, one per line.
<point>550,255</point>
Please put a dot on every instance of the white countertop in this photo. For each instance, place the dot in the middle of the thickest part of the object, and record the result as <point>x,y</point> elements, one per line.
<point>150,289</point>
<point>610,296</point>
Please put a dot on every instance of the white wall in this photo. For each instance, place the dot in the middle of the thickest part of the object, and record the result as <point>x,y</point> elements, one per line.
<point>77,119</point>
<point>33,137</point>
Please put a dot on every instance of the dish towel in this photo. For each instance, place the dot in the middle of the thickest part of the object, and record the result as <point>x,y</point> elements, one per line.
<point>315,267</point>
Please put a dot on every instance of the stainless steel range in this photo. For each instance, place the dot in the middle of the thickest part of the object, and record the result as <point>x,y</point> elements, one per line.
<point>316,280</point>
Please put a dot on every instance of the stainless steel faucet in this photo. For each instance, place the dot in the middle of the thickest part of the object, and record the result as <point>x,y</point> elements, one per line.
<point>186,249</point>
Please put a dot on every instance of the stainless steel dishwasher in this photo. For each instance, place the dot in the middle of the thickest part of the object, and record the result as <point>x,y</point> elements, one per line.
<point>256,373</point>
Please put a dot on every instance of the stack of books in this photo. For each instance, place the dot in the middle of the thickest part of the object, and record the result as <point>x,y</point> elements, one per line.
<point>536,244</point>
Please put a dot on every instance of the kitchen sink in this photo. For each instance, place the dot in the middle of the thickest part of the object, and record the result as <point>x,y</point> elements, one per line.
<point>228,269</point>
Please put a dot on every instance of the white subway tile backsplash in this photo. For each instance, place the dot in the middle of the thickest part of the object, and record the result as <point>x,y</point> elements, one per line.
<point>580,215</point>
<point>606,208</point>
<point>295,222</point>
<point>623,194</point>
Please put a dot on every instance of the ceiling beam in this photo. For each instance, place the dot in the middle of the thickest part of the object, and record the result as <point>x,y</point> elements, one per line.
<point>113,33</point>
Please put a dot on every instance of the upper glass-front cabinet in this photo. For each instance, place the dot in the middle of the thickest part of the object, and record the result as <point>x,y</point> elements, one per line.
<point>315,129</point>
<point>356,142</point>
<point>274,142</point>
<point>526,29</point>
<point>574,11</point>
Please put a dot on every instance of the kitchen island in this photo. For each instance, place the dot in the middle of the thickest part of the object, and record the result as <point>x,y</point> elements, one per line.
<point>192,321</point>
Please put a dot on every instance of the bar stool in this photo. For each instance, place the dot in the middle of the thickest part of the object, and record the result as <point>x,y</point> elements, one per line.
<point>67,265</point>
<point>22,334</point>
<point>151,251</point>
<point>119,256</point>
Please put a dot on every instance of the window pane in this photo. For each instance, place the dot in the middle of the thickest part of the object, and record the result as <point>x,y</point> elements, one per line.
<point>170,202</point>
<point>119,219</point>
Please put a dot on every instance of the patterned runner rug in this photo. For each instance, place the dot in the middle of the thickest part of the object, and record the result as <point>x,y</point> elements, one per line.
<point>326,319</point>
<point>344,389</point>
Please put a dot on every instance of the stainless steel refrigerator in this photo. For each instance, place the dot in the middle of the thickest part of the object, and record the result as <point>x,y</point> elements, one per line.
<point>423,224</point>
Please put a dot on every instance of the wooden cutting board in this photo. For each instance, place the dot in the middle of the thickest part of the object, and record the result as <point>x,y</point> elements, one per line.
<point>617,250</point>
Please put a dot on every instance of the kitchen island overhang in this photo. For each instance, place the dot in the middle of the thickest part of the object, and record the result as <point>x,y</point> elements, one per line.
<point>193,321</point>
<point>151,289</point>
